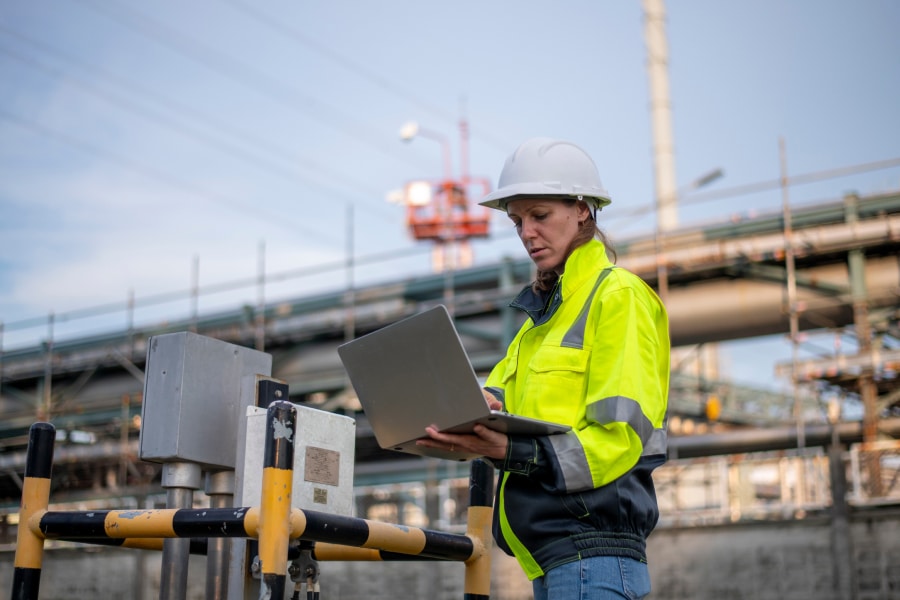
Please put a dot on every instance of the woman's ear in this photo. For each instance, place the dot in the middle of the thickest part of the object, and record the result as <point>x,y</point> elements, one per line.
<point>584,211</point>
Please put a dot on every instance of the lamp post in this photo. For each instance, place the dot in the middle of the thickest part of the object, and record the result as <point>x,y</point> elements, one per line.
<point>412,130</point>
<point>438,210</point>
<point>662,267</point>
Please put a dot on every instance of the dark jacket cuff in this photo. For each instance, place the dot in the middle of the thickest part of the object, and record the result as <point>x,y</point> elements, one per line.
<point>521,456</point>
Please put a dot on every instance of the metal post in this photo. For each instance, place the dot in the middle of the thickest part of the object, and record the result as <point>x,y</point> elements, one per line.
<point>868,389</point>
<point>275,505</point>
<point>449,292</point>
<point>220,489</point>
<point>1,360</point>
<point>140,566</point>
<point>856,266</point>
<point>129,322</point>
<point>195,293</point>
<point>123,441</point>
<point>350,295</point>
<point>841,545</point>
<point>507,314</point>
<point>662,267</point>
<point>35,498</point>
<point>46,404</point>
<point>179,479</point>
<point>463,144</point>
<point>261,298</point>
<point>479,516</point>
<point>792,305</point>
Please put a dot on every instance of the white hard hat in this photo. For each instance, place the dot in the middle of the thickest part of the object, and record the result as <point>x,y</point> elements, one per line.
<point>548,167</point>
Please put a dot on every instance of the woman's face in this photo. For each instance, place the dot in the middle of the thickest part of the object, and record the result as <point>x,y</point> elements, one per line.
<point>547,228</point>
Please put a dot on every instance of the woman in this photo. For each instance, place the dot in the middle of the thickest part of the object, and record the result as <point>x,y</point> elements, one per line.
<point>575,509</point>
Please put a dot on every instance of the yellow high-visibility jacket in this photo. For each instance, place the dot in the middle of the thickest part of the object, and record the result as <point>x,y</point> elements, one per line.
<point>593,354</point>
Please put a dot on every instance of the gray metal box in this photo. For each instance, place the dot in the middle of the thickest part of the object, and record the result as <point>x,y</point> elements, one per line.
<point>192,398</point>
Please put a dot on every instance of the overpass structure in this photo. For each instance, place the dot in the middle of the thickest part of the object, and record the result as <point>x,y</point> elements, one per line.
<point>832,267</point>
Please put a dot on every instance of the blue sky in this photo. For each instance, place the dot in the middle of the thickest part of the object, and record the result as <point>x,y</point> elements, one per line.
<point>137,137</point>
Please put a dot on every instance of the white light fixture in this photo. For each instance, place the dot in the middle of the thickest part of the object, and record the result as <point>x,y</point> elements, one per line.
<point>418,193</point>
<point>409,130</point>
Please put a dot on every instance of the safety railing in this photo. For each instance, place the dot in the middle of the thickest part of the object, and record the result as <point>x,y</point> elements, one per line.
<point>747,487</point>
<point>272,524</point>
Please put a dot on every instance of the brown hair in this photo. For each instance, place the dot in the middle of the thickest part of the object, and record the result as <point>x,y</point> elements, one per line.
<point>545,280</point>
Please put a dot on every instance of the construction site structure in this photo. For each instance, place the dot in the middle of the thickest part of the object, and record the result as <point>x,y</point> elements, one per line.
<point>738,453</point>
<point>440,211</point>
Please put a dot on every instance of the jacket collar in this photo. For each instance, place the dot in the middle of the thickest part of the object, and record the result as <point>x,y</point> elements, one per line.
<point>582,265</point>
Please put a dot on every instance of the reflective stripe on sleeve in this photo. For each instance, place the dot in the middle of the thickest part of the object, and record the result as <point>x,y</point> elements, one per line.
<point>620,409</point>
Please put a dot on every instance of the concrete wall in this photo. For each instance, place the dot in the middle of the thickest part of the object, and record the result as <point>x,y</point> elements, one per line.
<point>783,560</point>
<point>100,572</point>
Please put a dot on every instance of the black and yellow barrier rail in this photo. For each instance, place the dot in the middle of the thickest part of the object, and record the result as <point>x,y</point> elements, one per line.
<point>133,525</point>
<point>35,498</point>
<point>274,523</point>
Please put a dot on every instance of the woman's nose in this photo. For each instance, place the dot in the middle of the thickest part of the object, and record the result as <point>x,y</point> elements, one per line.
<point>526,230</point>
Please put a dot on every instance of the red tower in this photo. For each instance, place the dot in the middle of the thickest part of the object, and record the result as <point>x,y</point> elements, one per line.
<point>440,210</point>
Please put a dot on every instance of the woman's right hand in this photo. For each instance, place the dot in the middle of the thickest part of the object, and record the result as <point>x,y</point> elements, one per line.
<point>492,401</point>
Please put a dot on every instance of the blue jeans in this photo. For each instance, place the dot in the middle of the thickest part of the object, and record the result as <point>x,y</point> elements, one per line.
<point>595,578</point>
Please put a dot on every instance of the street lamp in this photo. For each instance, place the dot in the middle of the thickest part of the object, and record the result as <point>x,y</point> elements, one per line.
<point>411,130</point>
<point>702,181</point>
<point>438,210</point>
<point>662,267</point>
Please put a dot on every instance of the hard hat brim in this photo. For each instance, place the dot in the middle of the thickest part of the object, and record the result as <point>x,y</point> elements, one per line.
<point>596,197</point>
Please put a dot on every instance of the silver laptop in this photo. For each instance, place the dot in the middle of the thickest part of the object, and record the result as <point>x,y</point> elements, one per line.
<point>415,373</point>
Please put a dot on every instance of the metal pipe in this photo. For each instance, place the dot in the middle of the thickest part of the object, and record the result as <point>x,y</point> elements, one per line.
<point>704,312</point>
<point>179,480</point>
<point>770,438</point>
<point>220,489</point>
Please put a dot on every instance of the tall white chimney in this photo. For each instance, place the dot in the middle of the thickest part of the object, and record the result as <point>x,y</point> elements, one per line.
<point>661,114</point>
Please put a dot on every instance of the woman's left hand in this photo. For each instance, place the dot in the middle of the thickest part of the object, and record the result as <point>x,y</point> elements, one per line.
<point>484,442</point>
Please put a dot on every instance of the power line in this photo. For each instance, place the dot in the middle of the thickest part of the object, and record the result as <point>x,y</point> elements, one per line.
<point>175,106</point>
<point>190,131</point>
<point>770,184</point>
<point>360,70</point>
<point>803,179</point>
<point>246,75</point>
<point>170,180</point>
<point>296,35</point>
